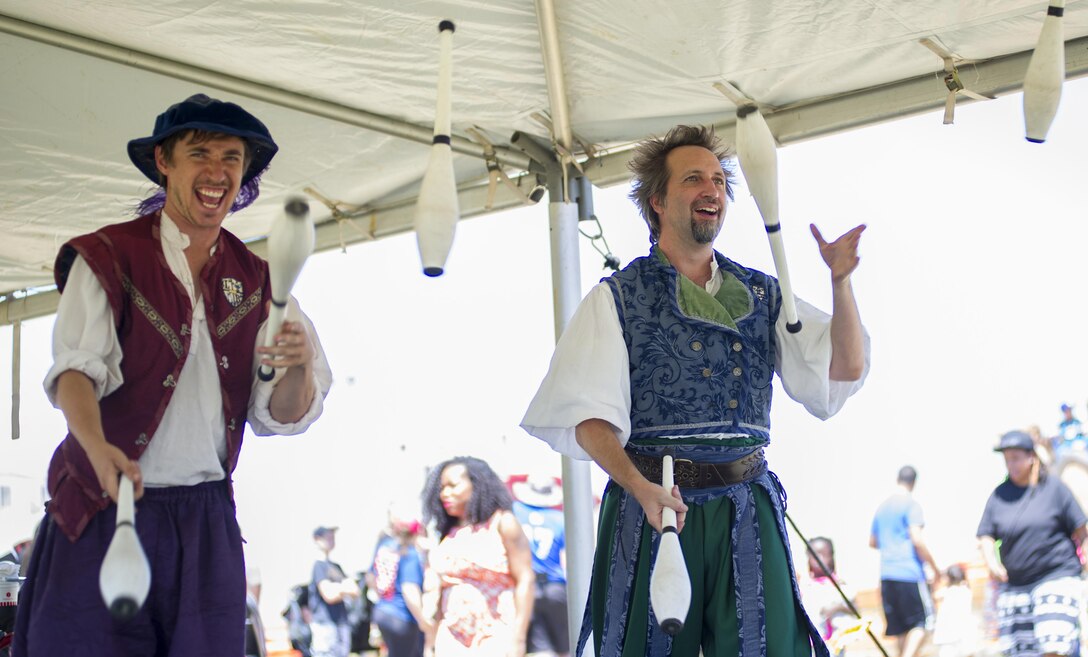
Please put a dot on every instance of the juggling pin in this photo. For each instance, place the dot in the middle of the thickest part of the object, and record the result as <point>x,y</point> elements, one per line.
<point>125,577</point>
<point>670,587</point>
<point>1046,71</point>
<point>758,158</point>
<point>9,596</point>
<point>290,243</point>
<point>436,207</point>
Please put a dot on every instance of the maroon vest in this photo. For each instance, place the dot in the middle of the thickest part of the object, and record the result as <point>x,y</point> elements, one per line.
<point>153,318</point>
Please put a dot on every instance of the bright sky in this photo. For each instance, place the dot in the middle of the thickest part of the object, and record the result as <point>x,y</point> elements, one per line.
<point>970,285</point>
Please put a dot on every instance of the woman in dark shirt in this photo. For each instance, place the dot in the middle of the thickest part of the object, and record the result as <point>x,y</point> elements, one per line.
<point>1039,525</point>
<point>397,577</point>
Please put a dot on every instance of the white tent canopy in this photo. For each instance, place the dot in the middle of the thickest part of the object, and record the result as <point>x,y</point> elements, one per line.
<point>347,89</point>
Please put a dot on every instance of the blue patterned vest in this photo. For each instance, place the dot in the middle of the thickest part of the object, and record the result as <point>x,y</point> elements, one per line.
<point>700,365</point>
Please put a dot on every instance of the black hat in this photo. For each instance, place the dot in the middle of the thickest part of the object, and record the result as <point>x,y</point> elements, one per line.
<point>1015,440</point>
<point>200,112</point>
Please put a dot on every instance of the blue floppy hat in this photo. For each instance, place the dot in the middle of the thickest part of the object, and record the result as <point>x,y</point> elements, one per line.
<point>201,112</point>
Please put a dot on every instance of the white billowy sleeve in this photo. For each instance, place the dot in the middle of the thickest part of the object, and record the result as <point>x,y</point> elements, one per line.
<point>84,336</point>
<point>259,417</point>
<point>803,362</point>
<point>588,378</point>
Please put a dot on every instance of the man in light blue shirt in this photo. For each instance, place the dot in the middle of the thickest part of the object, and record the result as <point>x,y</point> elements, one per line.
<point>904,590</point>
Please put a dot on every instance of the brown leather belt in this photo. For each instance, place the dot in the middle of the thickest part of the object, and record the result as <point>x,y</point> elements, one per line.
<point>688,474</point>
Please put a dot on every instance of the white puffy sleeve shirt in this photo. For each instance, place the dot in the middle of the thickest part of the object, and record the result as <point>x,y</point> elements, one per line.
<point>189,446</point>
<point>589,376</point>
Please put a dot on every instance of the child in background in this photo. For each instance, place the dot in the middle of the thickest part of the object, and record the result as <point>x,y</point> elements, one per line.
<point>825,606</point>
<point>956,631</point>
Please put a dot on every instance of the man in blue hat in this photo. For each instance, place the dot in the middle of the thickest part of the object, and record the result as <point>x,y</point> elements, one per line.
<point>1070,438</point>
<point>156,347</point>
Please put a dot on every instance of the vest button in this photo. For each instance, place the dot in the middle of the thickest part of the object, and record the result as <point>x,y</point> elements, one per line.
<point>736,346</point>
<point>733,403</point>
<point>696,346</point>
<point>706,372</point>
<point>736,371</point>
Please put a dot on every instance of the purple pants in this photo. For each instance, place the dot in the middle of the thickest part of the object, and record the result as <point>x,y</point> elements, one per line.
<point>196,606</point>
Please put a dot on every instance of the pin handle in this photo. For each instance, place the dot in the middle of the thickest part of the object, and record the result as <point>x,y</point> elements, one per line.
<point>668,515</point>
<point>126,507</point>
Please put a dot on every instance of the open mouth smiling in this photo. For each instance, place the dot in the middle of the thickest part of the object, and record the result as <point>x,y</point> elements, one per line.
<point>210,197</point>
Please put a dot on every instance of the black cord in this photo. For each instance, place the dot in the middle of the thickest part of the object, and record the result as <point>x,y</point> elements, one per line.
<point>831,576</point>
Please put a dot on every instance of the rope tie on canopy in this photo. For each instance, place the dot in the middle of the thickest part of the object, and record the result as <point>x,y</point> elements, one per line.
<point>338,208</point>
<point>952,80</point>
<point>495,172</point>
<point>566,158</point>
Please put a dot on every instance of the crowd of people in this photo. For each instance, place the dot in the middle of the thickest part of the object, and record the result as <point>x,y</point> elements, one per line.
<point>1031,537</point>
<point>477,568</point>
<point>490,578</point>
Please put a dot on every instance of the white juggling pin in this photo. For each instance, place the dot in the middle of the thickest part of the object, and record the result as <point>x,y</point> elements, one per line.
<point>290,243</point>
<point>1046,72</point>
<point>125,577</point>
<point>436,207</point>
<point>670,587</point>
<point>9,597</point>
<point>758,156</point>
<point>9,591</point>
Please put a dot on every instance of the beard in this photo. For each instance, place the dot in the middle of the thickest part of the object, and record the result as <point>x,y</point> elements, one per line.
<point>705,232</point>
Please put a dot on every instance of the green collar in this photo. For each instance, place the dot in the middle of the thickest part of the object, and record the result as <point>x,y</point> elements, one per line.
<point>732,301</point>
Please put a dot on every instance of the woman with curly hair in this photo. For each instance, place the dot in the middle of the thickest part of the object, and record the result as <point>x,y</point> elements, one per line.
<point>481,570</point>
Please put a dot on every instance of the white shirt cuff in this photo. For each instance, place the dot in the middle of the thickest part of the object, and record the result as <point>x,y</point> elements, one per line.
<point>805,362</point>
<point>261,420</point>
<point>90,365</point>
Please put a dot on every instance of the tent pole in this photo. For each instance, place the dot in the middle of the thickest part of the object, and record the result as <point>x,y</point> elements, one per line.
<point>553,72</point>
<point>567,292</point>
<point>16,381</point>
<point>577,492</point>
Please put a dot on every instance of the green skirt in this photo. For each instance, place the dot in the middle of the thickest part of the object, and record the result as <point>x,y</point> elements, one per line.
<point>712,620</point>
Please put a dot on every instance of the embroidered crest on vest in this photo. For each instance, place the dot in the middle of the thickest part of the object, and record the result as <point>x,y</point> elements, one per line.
<point>232,290</point>
<point>240,312</point>
<point>153,316</point>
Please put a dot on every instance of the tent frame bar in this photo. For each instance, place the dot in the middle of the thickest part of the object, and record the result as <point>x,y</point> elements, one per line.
<point>789,124</point>
<point>235,85</point>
